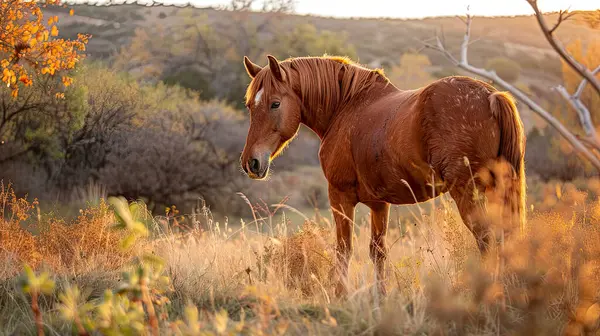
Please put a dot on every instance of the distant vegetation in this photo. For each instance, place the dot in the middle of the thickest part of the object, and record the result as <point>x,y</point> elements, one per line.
<point>505,68</point>
<point>162,90</point>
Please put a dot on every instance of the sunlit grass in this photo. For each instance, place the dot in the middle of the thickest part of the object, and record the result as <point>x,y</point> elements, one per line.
<point>272,274</point>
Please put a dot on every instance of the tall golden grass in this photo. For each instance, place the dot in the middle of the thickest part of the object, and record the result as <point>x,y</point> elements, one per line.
<point>259,277</point>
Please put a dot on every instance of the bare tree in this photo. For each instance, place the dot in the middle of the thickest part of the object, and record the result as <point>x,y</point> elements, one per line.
<point>588,76</point>
<point>588,146</point>
<point>279,6</point>
<point>36,123</point>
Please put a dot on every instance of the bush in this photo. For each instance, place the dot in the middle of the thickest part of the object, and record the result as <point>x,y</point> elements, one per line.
<point>175,158</point>
<point>90,240</point>
<point>507,69</point>
<point>165,134</point>
<point>182,148</point>
<point>550,158</point>
<point>136,16</point>
<point>306,40</point>
<point>411,71</point>
<point>191,79</point>
<point>37,123</point>
<point>108,122</point>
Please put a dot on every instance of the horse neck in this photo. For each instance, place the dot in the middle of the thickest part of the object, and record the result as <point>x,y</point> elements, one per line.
<point>318,117</point>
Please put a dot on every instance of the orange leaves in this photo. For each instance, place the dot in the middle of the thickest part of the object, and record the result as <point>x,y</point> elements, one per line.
<point>9,77</point>
<point>29,46</point>
<point>25,80</point>
<point>52,20</point>
<point>67,80</point>
<point>45,35</point>
<point>83,39</point>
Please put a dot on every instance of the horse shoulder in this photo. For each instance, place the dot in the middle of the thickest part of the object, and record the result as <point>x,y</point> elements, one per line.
<point>336,158</point>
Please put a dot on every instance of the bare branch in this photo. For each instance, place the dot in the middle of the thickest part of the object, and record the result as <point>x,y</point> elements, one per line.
<point>465,45</point>
<point>240,5</point>
<point>439,46</point>
<point>518,94</point>
<point>580,68</point>
<point>475,40</point>
<point>591,143</point>
<point>563,16</point>
<point>584,82</point>
<point>15,155</point>
<point>585,118</point>
<point>461,19</point>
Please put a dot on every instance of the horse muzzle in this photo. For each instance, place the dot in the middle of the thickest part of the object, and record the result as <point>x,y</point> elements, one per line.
<point>257,167</point>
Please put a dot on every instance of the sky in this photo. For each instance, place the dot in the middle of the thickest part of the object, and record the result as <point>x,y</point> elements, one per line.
<point>419,8</point>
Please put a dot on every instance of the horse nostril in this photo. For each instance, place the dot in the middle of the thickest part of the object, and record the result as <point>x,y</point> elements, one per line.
<point>254,166</point>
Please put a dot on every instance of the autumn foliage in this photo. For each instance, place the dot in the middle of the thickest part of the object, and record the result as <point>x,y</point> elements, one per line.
<point>28,44</point>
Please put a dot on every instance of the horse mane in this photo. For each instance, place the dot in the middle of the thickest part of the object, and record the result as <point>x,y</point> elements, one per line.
<point>325,82</point>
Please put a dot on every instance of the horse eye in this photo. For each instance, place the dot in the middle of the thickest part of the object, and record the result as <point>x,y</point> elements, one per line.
<point>275,105</point>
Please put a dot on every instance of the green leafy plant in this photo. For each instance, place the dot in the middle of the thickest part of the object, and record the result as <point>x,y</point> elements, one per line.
<point>34,285</point>
<point>126,215</point>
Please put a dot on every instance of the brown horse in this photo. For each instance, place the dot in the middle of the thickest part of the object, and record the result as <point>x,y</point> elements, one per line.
<point>381,145</point>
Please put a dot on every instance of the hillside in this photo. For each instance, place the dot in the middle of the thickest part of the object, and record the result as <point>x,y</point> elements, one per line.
<point>378,42</point>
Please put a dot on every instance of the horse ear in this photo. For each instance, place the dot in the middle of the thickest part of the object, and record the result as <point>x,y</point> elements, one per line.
<point>251,68</point>
<point>276,68</point>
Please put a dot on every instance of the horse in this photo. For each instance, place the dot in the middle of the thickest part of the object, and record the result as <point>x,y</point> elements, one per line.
<point>381,145</point>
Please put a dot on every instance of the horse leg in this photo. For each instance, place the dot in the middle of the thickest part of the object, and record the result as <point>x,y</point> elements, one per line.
<point>471,206</point>
<point>343,205</point>
<point>378,249</point>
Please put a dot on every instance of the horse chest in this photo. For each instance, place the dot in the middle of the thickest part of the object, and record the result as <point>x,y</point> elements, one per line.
<point>337,164</point>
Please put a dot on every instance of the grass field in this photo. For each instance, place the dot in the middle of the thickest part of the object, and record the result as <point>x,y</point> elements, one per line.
<point>271,274</point>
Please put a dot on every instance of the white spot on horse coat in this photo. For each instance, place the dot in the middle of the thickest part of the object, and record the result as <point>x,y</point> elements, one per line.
<point>258,96</point>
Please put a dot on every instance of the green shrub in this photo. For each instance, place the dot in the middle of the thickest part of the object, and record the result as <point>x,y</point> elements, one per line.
<point>507,69</point>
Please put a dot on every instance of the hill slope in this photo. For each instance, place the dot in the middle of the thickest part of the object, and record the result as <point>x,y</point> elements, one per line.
<point>377,41</point>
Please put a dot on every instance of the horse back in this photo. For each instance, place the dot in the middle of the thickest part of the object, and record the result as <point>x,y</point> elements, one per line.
<point>407,141</point>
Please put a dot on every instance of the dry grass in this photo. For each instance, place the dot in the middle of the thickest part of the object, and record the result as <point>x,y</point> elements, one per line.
<point>59,246</point>
<point>545,282</point>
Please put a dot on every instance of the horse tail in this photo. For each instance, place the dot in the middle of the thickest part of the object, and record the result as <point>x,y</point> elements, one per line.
<point>512,148</point>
